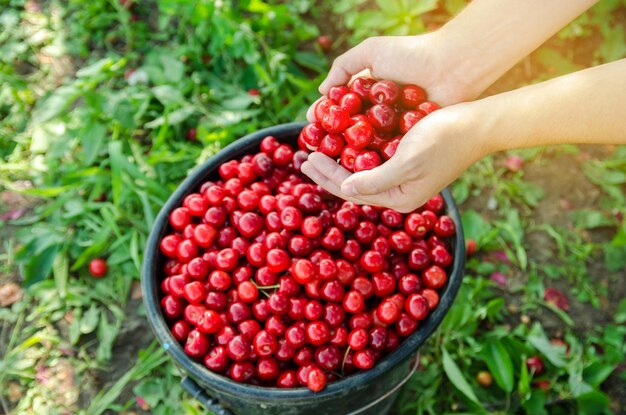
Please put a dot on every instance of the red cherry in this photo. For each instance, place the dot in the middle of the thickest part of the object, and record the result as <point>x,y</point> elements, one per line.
<point>408,119</point>
<point>383,118</point>
<point>337,92</point>
<point>411,96</point>
<point>434,277</point>
<point>389,148</point>
<point>322,108</point>
<point>384,92</point>
<point>359,135</point>
<point>351,102</point>
<point>361,87</point>
<point>98,267</point>
<point>428,107</point>
<point>366,160</point>
<point>332,145</point>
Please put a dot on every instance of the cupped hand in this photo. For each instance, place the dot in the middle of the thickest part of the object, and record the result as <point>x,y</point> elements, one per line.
<point>429,61</point>
<point>431,155</point>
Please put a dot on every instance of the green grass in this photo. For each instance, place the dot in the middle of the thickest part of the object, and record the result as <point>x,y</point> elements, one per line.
<point>96,101</point>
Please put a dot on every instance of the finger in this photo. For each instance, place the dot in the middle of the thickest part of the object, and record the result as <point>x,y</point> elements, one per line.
<point>389,175</point>
<point>310,113</point>
<point>327,173</point>
<point>321,179</point>
<point>352,62</point>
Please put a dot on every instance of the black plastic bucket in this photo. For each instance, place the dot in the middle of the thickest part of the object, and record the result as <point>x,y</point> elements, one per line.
<point>368,392</point>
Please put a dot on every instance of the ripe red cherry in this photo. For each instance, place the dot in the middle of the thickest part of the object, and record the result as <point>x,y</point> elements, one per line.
<point>366,160</point>
<point>267,369</point>
<point>328,357</point>
<point>204,235</point>
<point>361,87</point>
<point>389,148</point>
<point>313,133</point>
<point>195,292</point>
<point>359,135</point>
<point>409,284</point>
<point>408,119</point>
<point>317,333</point>
<point>197,344</point>
<point>287,379</point>
<point>265,343</point>
<point>411,96</point>
<point>172,307</point>
<point>372,261</point>
<point>322,108</point>
<point>416,306</point>
<point>238,348</point>
<point>241,371</point>
<point>351,102</point>
<point>179,218</point>
<point>434,277</point>
<point>383,118</point>
<point>346,219</point>
<point>445,226</point>
<point>418,259</point>
<point>534,364</point>
<point>277,260</point>
<point>209,322</point>
<point>435,204</point>
<point>415,225</point>
<point>333,239</point>
<point>98,267</point>
<point>250,224</point>
<point>388,312</point>
<point>428,107</point>
<point>181,330</point>
<point>283,155</point>
<point>304,271</point>
<point>169,245</point>
<point>336,120</point>
<point>247,291</point>
<point>311,227</point>
<point>431,296</point>
<point>384,92</point>
<point>336,92</point>
<point>364,359</point>
<point>383,284</point>
<point>440,256</point>
<point>332,145</point>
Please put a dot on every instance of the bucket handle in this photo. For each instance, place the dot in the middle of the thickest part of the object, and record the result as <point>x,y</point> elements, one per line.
<point>199,394</point>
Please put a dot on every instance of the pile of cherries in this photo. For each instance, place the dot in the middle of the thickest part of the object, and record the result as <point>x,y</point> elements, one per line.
<point>363,124</point>
<point>273,281</point>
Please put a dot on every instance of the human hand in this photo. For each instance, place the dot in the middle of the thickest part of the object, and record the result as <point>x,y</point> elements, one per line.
<point>431,155</point>
<point>429,60</point>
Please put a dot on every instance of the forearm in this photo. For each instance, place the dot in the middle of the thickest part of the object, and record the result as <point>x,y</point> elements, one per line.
<point>490,36</point>
<point>583,107</point>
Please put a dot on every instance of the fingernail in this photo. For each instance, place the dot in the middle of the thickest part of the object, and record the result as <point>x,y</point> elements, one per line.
<point>349,189</point>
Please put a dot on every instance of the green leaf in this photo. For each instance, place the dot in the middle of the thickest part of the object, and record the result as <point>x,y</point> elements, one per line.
<point>474,226</point>
<point>168,95</point>
<point>620,313</point>
<point>597,373</point>
<point>535,405</point>
<point>614,257</point>
<point>90,319</point>
<point>173,118</point>
<point>107,333</point>
<point>523,384</point>
<point>538,339</point>
<point>61,274</point>
<point>593,403</point>
<point>311,60</point>
<point>589,219</point>
<point>40,266</point>
<point>55,104</point>
<point>455,376</point>
<point>499,363</point>
<point>454,6</point>
<point>422,6</point>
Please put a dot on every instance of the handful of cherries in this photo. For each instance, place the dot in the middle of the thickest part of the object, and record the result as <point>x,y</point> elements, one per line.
<point>272,281</point>
<point>363,124</point>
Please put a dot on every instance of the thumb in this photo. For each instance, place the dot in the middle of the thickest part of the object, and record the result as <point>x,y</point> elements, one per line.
<point>350,63</point>
<point>376,181</point>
